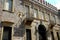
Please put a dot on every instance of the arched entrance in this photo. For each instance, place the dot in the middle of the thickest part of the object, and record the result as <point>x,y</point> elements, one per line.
<point>42,32</point>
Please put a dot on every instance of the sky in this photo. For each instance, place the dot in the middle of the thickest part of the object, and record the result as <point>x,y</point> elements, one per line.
<point>56,3</point>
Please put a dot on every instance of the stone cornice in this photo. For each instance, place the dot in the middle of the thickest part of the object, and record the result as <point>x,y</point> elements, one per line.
<point>44,6</point>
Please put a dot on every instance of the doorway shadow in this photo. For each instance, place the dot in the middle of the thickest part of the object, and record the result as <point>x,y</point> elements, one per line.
<point>42,32</point>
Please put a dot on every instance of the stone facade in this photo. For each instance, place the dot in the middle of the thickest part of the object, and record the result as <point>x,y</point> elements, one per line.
<point>26,20</point>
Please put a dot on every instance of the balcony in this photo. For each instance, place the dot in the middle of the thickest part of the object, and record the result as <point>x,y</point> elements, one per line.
<point>29,17</point>
<point>9,17</point>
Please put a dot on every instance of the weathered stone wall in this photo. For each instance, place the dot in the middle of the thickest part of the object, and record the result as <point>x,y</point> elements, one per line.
<point>1,10</point>
<point>19,31</point>
<point>0,18</point>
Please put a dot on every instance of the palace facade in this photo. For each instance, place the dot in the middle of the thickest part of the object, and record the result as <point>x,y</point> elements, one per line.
<point>28,20</point>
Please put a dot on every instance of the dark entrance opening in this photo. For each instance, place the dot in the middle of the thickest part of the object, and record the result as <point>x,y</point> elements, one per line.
<point>28,34</point>
<point>42,32</point>
<point>58,36</point>
<point>7,33</point>
<point>52,35</point>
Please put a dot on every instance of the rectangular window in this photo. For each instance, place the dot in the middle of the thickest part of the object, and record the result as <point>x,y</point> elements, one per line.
<point>7,32</point>
<point>58,36</point>
<point>21,6</point>
<point>46,16</point>
<point>52,35</point>
<point>28,34</point>
<point>43,15</point>
<point>27,10</point>
<point>53,18</point>
<point>8,5</point>
<point>57,19</point>
<point>31,10</point>
<point>35,13</point>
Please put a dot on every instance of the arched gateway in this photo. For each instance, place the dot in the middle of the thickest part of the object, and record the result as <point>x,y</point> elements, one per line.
<point>42,32</point>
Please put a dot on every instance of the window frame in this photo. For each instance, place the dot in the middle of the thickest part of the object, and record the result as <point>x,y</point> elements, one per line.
<point>12,8</point>
<point>35,14</point>
<point>47,16</point>
<point>58,35</point>
<point>53,18</point>
<point>52,35</point>
<point>28,37</point>
<point>43,15</point>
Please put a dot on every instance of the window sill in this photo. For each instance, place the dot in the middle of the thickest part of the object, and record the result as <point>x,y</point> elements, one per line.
<point>8,11</point>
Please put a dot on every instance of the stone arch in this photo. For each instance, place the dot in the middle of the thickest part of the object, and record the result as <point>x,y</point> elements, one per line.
<point>42,32</point>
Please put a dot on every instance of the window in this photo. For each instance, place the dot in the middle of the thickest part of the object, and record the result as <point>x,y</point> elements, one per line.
<point>41,15</point>
<point>43,2</point>
<point>35,13</point>
<point>46,16</point>
<point>27,10</point>
<point>8,5</point>
<point>52,35</point>
<point>32,5</point>
<point>7,32</point>
<point>28,34</point>
<point>57,19</point>
<point>52,18</point>
<point>21,6</point>
<point>46,3</point>
<point>58,36</point>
